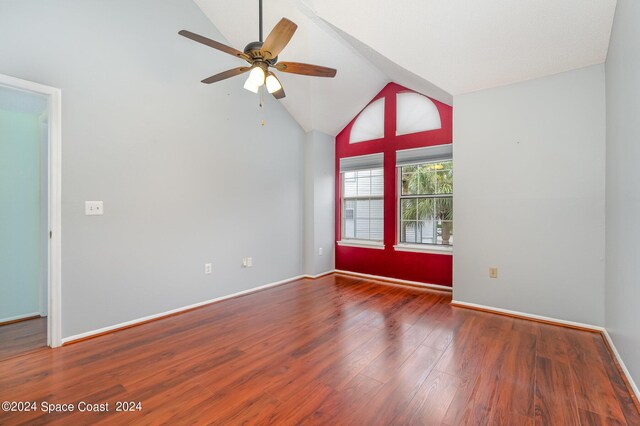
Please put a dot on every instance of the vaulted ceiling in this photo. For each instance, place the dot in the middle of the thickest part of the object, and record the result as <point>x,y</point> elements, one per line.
<point>440,48</point>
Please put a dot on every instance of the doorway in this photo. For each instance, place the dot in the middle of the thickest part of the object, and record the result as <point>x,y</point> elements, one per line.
<point>30,146</point>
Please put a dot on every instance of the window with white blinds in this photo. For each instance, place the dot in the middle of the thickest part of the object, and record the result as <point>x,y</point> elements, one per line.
<point>363,204</point>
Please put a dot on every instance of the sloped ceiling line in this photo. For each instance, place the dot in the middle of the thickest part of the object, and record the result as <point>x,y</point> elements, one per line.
<point>463,45</point>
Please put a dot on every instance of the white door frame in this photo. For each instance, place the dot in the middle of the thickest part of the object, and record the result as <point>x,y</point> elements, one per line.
<point>54,95</point>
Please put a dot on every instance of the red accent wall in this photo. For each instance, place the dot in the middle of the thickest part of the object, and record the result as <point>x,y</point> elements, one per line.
<point>421,267</point>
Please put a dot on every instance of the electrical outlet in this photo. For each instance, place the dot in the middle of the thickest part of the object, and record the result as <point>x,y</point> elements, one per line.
<point>207,268</point>
<point>320,251</point>
<point>247,262</point>
<point>493,272</point>
<point>93,208</point>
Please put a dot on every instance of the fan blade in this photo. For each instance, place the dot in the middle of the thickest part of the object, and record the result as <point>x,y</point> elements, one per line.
<point>279,94</point>
<point>305,69</point>
<point>226,74</point>
<point>278,38</point>
<point>216,45</point>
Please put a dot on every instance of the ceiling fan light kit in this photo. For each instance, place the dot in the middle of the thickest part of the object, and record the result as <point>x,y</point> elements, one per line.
<point>261,56</point>
<point>256,77</point>
<point>251,87</point>
<point>272,82</point>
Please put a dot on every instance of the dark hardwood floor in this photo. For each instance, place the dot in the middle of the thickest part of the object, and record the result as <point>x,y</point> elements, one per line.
<point>336,350</point>
<point>19,338</point>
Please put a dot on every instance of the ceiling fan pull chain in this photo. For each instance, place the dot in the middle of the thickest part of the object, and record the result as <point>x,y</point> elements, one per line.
<point>262,104</point>
<point>261,95</point>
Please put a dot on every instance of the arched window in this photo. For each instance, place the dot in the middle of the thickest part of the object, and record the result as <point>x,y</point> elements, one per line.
<point>415,113</point>
<point>370,123</point>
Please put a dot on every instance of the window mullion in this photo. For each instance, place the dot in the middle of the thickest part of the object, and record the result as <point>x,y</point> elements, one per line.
<point>407,197</point>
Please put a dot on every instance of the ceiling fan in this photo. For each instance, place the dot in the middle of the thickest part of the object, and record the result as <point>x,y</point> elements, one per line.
<point>261,56</point>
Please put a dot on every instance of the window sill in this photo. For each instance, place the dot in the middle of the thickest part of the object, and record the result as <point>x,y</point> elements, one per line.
<point>433,249</point>
<point>362,244</point>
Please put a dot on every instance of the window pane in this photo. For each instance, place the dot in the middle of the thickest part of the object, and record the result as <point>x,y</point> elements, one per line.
<point>362,209</point>
<point>362,219</point>
<point>428,178</point>
<point>408,186</point>
<point>409,231</point>
<point>426,220</point>
<point>349,219</point>
<point>409,209</point>
<point>377,182</point>
<point>444,208</point>
<point>445,235</point>
<point>443,177</point>
<point>376,229</point>
<point>364,183</point>
<point>350,186</point>
<point>425,208</point>
<point>377,209</point>
<point>428,231</point>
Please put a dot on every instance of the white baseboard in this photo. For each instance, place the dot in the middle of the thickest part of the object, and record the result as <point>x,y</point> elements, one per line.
<point>19,317</point>
<point>532,316</point>
<point>626,372</point>
<point>396,280</point>
<point>322,274</point>
<point>102,330</point>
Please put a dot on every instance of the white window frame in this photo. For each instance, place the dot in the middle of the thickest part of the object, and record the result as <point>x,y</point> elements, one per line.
<point>409,247</point>
<point>355,242</point>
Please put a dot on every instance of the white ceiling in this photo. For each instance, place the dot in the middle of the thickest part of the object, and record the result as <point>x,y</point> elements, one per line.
<point>322,104</point>
<point>437,47</point>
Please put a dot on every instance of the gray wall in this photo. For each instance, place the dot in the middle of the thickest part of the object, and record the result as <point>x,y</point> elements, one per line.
<point>623,192</point>
<point>319,203</point>
<point>187,173</point>
<point>529,196</point>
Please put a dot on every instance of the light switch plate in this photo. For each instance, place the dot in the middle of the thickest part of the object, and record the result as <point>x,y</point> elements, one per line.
<point>493,272</point>
<point>93,208</point>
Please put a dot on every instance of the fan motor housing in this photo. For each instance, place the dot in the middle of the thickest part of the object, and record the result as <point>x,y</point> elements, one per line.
<point>253,49</point>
